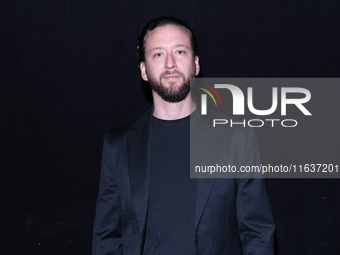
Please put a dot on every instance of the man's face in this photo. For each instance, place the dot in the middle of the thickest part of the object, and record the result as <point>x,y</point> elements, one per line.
<point>169,62</point>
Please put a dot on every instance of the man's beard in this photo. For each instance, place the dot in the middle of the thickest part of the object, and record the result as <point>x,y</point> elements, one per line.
<point>173,93</point>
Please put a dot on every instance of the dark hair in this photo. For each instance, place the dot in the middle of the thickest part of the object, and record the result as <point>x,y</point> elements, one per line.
<point>162,21</point>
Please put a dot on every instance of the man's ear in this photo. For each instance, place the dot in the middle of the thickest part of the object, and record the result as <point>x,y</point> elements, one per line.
<point>143,71</point>
<point>197,65</point>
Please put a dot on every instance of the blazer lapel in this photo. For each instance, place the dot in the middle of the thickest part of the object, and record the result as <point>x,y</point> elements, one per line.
<point>203,192</point>
<point>203,152</point>
<point>139,165</point>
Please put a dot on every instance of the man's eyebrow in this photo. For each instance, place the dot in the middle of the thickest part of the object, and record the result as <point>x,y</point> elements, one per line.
<point>182,45</point>
<point>176,46</point>
<point>156,48</point>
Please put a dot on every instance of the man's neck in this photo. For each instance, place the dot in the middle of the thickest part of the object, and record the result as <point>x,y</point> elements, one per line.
<point>172,111</point>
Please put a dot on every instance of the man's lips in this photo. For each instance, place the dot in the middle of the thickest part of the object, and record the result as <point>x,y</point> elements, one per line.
<point>171,76</point>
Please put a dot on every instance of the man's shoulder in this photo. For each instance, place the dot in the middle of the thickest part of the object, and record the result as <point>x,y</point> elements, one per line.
<point>122,132</point>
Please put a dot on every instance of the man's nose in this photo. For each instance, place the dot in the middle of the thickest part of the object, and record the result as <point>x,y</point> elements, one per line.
<point>170,62</point>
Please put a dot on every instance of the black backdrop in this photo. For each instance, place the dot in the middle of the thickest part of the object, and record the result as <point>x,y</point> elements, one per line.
<point>69,74</point>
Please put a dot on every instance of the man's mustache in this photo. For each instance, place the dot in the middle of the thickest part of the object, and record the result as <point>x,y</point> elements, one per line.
<point>171,73</point>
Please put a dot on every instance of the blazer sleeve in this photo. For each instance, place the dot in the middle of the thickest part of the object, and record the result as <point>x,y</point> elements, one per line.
<point>256,224</point>
<point>107,236</point>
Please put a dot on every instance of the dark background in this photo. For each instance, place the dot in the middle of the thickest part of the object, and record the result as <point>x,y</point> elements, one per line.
<point>69,75</point>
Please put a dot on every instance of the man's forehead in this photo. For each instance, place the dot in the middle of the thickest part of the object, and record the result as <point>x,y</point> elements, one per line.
<point>175,46</point>
<point>167,34</point>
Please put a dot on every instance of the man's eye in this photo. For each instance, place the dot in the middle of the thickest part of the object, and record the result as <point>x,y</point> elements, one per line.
<point>181,52</point>
<point>158,55</point>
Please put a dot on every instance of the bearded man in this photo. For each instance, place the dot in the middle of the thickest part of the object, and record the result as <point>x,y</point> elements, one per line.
<point>147,202</point>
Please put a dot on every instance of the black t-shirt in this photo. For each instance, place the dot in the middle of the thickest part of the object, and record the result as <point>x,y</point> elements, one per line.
<point>170,223</point>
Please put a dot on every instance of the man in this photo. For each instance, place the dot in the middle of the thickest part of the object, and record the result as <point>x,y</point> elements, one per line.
<point>147,203</point>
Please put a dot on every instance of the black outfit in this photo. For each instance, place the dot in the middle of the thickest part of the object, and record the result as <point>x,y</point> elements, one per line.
<point>170,222</point>
<point>231,216</point>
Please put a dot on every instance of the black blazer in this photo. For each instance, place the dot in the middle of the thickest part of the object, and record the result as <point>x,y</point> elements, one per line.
<point>232,216</point>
